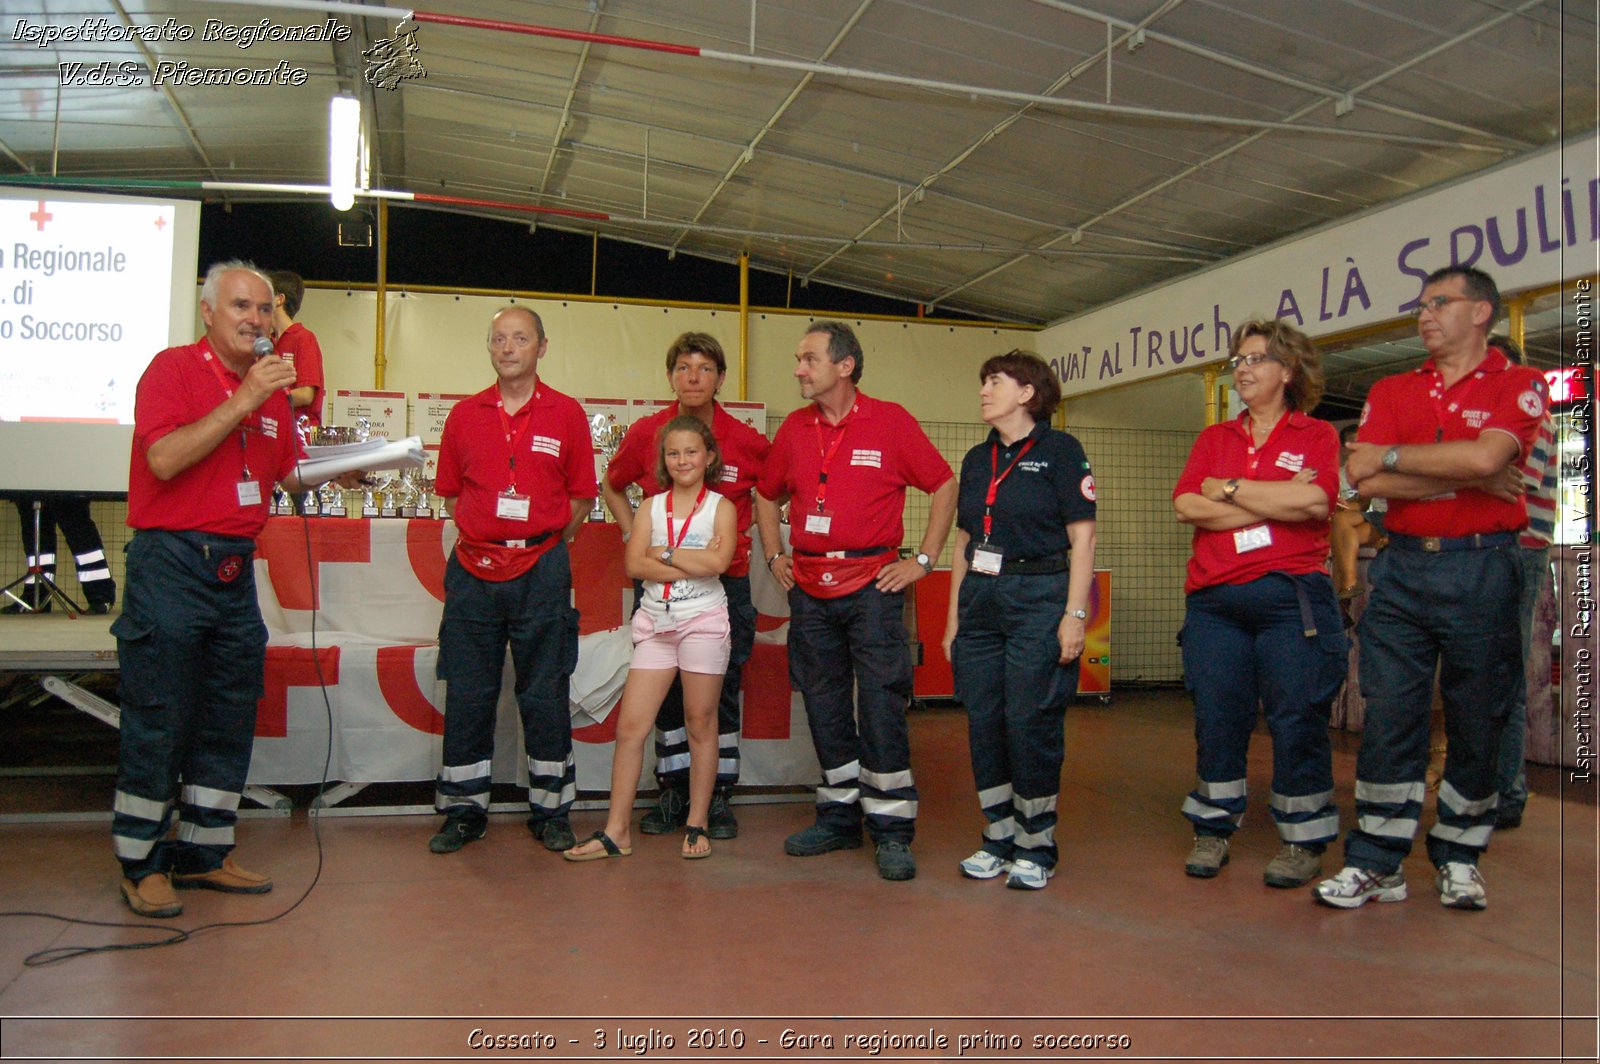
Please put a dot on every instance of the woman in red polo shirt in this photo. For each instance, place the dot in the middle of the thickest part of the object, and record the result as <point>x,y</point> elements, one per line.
<point>1261,626</point>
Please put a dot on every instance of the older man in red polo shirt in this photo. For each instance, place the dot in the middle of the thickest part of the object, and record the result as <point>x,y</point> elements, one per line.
<point>212,432</point>
<point>517,458</point>
<point>846,460</point>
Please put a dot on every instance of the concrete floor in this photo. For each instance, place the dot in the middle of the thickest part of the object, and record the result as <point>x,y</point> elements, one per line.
<point>397,953</point>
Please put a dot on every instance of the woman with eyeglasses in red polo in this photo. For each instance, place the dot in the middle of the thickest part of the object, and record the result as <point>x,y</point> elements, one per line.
<point>1261,626</point>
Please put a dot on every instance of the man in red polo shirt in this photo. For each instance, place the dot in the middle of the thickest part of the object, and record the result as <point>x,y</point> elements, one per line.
<point>297,345</point>
<point>212,433</point>
<point>846,461</point>
<point>1441,443</point>
<point>517,458</point>
<point>696,368</point>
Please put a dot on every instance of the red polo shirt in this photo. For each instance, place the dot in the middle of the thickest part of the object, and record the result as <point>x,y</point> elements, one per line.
<point>744,451</point>
<point>554,464</point>
<point>872,455</point>
<point>179,387</point>
<point>1228,450</point>
<point>1415,407</point>
<point>298,347</point>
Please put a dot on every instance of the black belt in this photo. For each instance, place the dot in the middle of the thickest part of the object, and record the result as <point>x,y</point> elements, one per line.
<point>1051,563</point>
<point>865,552</point>
<point>1439,544</point>
<point>533,542</point>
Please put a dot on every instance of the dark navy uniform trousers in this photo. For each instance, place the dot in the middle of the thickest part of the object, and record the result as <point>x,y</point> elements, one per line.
<point>534,615</point>
<point>1457,612</point>
<point>1246,650</point>
<point>858,640</point>
<point>1010,678</point>
<point>191,646</point>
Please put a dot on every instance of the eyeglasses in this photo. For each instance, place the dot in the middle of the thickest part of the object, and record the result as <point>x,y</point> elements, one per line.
<point>1254,360</point>
<point>1438,303</point>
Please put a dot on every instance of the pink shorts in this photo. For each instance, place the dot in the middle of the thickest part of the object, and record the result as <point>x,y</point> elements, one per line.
<point>700,644</point>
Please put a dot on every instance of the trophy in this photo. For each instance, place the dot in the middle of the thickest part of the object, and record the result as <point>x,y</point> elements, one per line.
<point>425,497</point>
<point>408,493</point>
<point>282,505</point>
<point>607,436</point>
<point>388,495</point>
<point>369,505</point>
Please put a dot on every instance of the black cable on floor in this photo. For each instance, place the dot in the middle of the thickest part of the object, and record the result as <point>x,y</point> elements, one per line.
<point>176,935</point>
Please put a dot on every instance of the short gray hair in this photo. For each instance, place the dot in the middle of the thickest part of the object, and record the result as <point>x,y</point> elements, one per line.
<point>208,290</point>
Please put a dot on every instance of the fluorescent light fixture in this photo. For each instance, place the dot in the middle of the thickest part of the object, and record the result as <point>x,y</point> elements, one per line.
<point>344,151</point>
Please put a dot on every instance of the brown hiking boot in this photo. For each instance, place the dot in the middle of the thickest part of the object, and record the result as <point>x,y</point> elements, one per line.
<point>152,896</point>
<point>230,879</point>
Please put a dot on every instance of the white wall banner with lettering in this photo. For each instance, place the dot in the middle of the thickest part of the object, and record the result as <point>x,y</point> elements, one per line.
<point>1530,222</point>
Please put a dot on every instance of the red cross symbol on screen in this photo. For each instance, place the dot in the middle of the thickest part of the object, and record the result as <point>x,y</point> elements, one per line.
<point>40,216</point>
<point>161,223</point>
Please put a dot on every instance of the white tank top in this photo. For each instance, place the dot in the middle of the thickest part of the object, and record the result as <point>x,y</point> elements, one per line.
<point>691,595</point>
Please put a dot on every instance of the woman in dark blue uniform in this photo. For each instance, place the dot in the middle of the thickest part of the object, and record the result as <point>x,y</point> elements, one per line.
<point>1019,603</point>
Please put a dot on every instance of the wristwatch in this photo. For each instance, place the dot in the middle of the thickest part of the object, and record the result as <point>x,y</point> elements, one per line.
<point>1391,459</point>
<point>926,562</point>
<point>1230,489</point>
<point>1082,615</point>
<point>666,556</point>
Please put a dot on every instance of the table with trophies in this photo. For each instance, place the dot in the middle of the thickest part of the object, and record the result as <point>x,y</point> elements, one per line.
<point>351,586</point>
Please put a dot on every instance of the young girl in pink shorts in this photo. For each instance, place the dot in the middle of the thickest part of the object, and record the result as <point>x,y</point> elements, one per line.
<point>682,541</point>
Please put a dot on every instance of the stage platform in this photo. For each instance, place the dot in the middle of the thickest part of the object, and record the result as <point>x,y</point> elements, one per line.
<point>54,642</point>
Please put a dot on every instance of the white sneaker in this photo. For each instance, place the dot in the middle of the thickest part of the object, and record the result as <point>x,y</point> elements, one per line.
<point>1461,886</point>
<point>1354,887</point>
<point>1026,875</point>
<point>984,865</point>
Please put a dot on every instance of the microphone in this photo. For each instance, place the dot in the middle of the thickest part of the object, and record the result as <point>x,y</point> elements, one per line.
<point>262,347</point>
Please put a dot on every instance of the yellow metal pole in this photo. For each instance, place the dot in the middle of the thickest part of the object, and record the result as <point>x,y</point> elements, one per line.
<point>744,325</point>
<point>1517,320</point>
<point>1213,374</point>
<point>380,364</point>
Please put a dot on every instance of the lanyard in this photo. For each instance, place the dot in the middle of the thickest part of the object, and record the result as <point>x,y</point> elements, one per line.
<point>666,589</point>
<point>526,414</point>
<point>994,481</point>
<point>828,451</point>
<point>245,424</point>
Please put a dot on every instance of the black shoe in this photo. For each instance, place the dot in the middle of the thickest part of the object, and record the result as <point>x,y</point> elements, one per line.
<point>670,813</point>
<point>722,824</point>
<point>555,833</point>
<point>99,609</point>
<point>817,840</point>
<point>456,833</point>
<point>1507,818</point>
<point>895,861</point>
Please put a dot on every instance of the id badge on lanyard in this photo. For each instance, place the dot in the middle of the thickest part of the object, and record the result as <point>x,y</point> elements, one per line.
<point>1255,537</point>
<point>987,558</point>
<point>511,505</point>
<point>248,488</point>
<point>820,521</point>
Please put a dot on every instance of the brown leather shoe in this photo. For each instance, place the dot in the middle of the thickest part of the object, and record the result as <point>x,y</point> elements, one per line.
<point>152,896</point>
<point>230,879</point>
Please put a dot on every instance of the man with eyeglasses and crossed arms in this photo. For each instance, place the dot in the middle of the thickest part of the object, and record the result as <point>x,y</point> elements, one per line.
<point>1441,443</point>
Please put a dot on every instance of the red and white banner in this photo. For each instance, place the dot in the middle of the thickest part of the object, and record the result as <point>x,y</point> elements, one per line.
<point>378,591</point>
